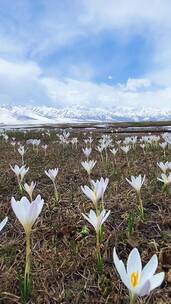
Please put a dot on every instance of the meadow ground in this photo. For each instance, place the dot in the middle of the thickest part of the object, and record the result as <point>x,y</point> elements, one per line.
<point>63,257</point>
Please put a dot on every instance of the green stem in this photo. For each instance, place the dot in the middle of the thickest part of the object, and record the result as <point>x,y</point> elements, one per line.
<point>31,198</point>
<point>106,155</point>
<point>127,160</point>
<point>132,298</point>
<point>97,242</point>
<point>27,265</point>
<point>98,254</point>
<point>20,188</point>
<point>56,193</point>
<point>141,205</point>
<point>102,204</point>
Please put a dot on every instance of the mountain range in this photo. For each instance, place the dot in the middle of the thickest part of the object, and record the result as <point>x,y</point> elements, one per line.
<point>14,115</point>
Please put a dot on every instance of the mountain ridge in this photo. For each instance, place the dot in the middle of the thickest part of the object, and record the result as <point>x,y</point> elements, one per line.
<point>44,114</point>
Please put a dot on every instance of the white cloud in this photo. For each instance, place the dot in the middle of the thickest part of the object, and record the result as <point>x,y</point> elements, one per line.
<point>133,84</point>
<point>27,83</point>
<point>22,69</point>
<point>23,80</point>
<point>20,83</point>
<point>123,13</point>
<point>149,19</point>
<point>62,23</point>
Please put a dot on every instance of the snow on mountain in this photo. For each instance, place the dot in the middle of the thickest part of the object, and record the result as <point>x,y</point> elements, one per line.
<point>12,115</point>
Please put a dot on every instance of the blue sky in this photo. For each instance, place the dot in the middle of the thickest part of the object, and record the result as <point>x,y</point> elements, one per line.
<point>99,53</point>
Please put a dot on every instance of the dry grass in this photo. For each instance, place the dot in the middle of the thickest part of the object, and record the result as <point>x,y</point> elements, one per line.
<point>63,261</point>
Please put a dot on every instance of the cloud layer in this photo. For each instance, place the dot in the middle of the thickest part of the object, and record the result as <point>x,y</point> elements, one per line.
<point>86,52</point>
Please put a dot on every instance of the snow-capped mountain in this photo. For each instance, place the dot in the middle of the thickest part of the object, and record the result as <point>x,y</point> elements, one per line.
<point>12,115</point>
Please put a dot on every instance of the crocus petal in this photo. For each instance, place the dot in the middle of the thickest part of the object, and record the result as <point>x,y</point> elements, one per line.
<point>143,179</point>
<point>129,181</point>
<point>21,209</point>
<point>88,192</point>
<point>3,223</point>
<point>121,269</point>
<point>27,212</point>
<point>105,216</point>
<point>35,209</point>
<point>100,219</point>
<point>91,218</point>
<point>134,262</point>
<point>144,290</point>
<point>149,269</point>
<point>156,280</point>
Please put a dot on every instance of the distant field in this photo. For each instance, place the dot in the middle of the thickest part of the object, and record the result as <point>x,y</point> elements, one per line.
<point>63,257</point>
<point>118,127</point>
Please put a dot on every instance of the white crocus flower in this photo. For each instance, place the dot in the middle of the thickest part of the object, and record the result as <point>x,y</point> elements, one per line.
<point>27,212</point>
<point>13,143</point>
<point>100,149</point>
<point>37,143</point>
<point>166,179</point>
<point>136,182</point>
<point>96,221</point>
<point>20,173</point>
<point>93,194</point>
<point>97,191</point>
<point>163,166</point>
<point>17,170</point>
<point>87,152</point>
<point>44,147</point>
<point>125,149</point>
<point>29,189</point>
<point>102,185</point>
<point>140,282</point>
<point>118,142</point>
<point>163,145</point>
<point>52,173</point>
<point>3,223</point>
<point>88,165</point>
<point>21,151</point>
<point>143,147</point>
<point>23,173</point>
<point>114,151</point>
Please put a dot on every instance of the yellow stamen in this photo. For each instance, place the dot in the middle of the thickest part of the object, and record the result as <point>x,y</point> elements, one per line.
<point>134,279</point>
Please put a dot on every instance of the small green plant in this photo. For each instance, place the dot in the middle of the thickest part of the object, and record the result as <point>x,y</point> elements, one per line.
<point>85,231</point>
<point>131,218</point>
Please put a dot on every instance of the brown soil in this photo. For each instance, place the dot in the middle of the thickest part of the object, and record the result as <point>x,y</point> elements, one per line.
<point>63,262</point>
